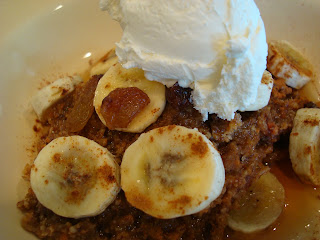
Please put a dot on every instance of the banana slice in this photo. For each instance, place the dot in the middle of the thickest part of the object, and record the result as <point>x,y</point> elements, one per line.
<point>311,90</point>
<point>172,171</point>
<point>260,206</point>
<point>118,77</point>
<point>264,93</point>
<point>105,63</point>
<point>304,145</point>
<point>50,94</point>
<point>75,177</point>
<point>287,62</point>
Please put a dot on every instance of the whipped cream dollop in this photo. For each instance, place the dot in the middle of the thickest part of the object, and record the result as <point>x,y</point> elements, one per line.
<point>216,47</point>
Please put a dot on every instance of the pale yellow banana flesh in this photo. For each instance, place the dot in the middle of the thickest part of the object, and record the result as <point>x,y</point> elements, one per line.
<point>304,145</point>
<point>287,62</point>
<point>102,66</point>
<point>75,177</point>
<point>260,206</point>
<point>312,90</point>
<point>172,171</point>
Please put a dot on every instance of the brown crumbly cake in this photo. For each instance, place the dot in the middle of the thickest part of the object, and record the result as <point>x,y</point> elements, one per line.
<point>243,143</point>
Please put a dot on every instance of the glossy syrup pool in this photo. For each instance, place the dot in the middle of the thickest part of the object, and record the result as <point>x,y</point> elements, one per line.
<point>300,218</point>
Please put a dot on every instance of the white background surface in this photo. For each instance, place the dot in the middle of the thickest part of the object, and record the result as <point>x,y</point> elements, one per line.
<point>37,42</point>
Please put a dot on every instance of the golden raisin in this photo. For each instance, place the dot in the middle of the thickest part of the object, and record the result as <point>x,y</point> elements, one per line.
<point>83,107</point>
<point>121,106</point>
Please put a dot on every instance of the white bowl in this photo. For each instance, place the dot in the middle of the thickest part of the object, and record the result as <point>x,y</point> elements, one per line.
<point>42,40</point>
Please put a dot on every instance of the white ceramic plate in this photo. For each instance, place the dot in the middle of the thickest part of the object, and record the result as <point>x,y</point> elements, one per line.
<point>42,40</point>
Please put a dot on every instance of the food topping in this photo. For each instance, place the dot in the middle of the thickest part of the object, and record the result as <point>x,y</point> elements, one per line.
<point>140,116</point>
<point>217,48</point>
<point>75,177</point>
<point>261,205</point>
<point>102,66</point>
<point>82,110</point>
<point>264,92</point>
<point>172,171</point>
<point>287,62</point>
<point>304,145</point>
<point>50,94</point>
<point>71,114</point>
<point>121,106</point>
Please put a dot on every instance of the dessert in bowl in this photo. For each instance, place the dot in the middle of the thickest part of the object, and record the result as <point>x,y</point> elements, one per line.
<point>185,95</point>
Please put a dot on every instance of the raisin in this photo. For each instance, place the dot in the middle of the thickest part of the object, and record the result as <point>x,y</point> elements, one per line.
<point>83,107</point>
<point>179,97</point>
<point>121,106</point>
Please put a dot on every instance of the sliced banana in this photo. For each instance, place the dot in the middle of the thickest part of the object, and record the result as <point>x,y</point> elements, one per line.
<point>172,171</point>
<point>50,94</point>
<point>118,77</point>
<point>104,64</point>
<point>304,145</point>
<point>75,177</point>
<point>311,90</point>
<point>287,62</point>
<point>264,93</point>
<point>260,206</point>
